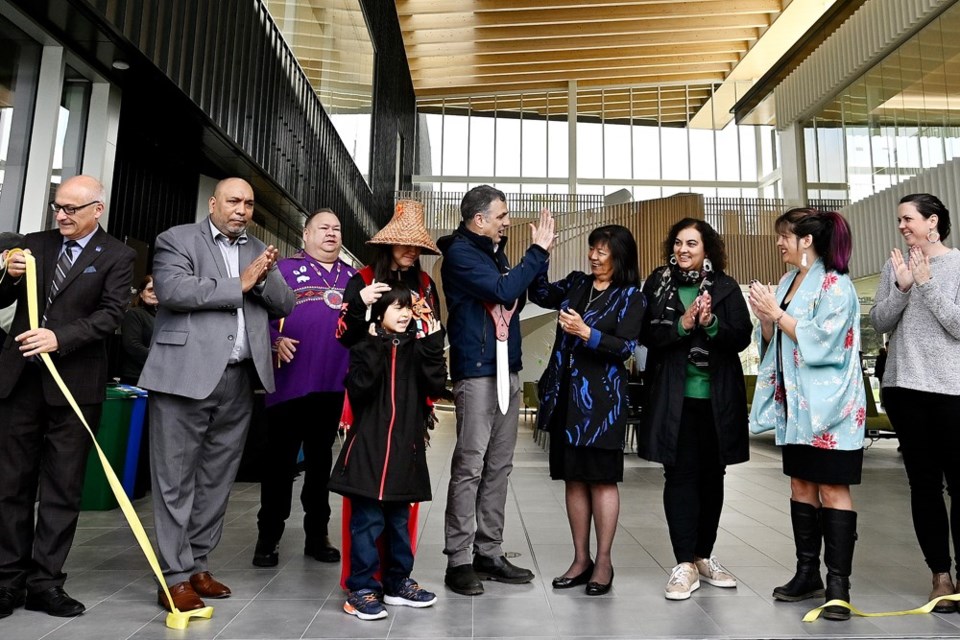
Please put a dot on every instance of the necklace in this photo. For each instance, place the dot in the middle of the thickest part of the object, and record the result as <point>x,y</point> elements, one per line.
<point>332,296</point>
<point>594,298</point>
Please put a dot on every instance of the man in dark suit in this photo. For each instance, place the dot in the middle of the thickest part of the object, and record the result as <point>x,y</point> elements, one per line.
<point>217,289</point>
<point>84,276</point>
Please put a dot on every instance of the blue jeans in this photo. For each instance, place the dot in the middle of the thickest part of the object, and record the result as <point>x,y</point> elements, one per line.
<point>369,519</point>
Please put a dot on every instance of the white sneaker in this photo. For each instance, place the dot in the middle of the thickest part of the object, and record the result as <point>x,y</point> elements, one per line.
<point>683,581</point>
<point>714,573</point>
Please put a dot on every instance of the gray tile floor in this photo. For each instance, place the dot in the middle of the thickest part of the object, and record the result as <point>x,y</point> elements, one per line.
<point>301,598</point>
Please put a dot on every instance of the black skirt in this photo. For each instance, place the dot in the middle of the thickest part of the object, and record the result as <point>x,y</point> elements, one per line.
<point>584,464</point>
<point>822,466</point>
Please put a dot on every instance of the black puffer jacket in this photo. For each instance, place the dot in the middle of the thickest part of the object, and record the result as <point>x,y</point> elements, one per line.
<point>388,383</point>
<point>667,374</point>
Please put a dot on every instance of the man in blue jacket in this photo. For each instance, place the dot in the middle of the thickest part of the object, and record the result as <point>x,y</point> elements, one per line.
<point>484,297</point>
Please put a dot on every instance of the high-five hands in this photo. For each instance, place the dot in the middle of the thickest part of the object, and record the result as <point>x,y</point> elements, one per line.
<point>543,234</point>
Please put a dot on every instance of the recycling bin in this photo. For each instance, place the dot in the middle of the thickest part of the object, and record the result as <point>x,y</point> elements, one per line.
<point>121,428</point>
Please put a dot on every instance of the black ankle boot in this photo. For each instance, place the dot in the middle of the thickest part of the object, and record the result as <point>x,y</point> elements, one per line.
<point>806,583</point>
<point>839,538</point>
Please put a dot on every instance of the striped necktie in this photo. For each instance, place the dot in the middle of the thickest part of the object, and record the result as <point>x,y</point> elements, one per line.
<point>63,268</point>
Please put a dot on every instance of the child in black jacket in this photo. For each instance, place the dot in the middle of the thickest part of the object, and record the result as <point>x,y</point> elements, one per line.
<point>382,466</point>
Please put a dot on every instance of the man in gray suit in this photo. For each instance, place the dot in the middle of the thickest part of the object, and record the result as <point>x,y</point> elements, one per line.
<point>217,289</point>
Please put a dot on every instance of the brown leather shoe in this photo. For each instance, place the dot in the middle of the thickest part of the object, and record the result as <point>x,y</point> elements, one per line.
<point>942,586</point>
<point>184,598</point>
<point>208,586</point>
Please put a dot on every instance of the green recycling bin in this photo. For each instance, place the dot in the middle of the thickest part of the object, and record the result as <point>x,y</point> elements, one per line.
<point>113,436</point>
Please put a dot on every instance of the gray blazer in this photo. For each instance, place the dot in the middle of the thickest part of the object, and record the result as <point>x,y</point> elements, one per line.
<point>196,324</point>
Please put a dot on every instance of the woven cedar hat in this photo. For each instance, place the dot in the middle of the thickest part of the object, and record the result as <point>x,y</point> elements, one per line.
<point>407,227</point>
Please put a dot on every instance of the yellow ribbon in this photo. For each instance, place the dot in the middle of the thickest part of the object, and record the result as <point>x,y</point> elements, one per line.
<point>813,614</point>
<point>176,619</point>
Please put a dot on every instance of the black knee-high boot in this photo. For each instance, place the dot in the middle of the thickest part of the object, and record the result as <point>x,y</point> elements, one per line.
<point>839,537</point>
<point>807,535</point>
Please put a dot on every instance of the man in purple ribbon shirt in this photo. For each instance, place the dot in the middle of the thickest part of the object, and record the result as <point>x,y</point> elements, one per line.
<point>311,365</point>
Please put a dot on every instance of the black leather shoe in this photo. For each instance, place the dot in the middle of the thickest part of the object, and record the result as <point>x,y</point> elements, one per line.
<point>597,588</point>
<point>55,602</point>
<point>10,599</point>
<point>463,580</point>
<point>501,570</point>
<point>322,551</point>
<point>581,578</point>
<point>266,554</point>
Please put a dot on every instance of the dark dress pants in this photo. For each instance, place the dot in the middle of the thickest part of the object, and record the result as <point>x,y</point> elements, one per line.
<point>311,421</point>
<point>41,447</point>
<point>693,488</point>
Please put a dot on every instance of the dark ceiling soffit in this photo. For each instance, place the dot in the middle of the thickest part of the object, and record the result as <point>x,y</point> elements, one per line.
<point>219,150</point>
<point>813,38</point>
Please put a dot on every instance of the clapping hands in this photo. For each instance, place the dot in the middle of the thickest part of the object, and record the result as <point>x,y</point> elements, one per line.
<point>915,268</point>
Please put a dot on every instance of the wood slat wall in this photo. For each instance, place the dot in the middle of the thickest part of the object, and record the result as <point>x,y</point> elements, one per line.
<point>746,225</point>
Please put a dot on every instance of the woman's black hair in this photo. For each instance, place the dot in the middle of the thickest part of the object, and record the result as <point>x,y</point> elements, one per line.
<point>383,260</point>
<point>399,293</point>
<point>713,246</point>
<point>623,251</point>
<point>930,205</point>
<point>830,231</point>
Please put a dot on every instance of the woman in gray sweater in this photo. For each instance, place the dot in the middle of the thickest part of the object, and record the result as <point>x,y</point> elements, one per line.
<point>918,303</point>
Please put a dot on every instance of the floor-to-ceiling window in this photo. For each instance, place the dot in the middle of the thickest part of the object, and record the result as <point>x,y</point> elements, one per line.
<point>899,119</point>
<point>19,69</point>
<point>635,141</point>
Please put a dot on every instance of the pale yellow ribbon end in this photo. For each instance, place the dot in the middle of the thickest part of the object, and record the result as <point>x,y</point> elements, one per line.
<point>177,619</point>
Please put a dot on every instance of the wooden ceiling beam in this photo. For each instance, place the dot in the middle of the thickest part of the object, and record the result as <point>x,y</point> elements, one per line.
<point>584,15</point>
<point>730,50</point>
<point>408,7</point>
<point>434,80</point>
<point>469,47</point>
<point>493,88</point>
<point>666,27</point>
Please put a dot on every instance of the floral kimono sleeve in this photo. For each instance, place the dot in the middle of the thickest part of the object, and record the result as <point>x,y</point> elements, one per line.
<point>827,337</point>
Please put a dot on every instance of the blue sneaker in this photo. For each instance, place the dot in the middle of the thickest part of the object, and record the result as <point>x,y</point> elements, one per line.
<point>410,594</point>
<point>365,605</point>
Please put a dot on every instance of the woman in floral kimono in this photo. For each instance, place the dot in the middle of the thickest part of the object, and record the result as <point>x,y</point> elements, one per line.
<point>810,390</point>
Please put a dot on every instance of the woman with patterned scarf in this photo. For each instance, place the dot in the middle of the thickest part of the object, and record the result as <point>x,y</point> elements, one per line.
<point>695,417</point>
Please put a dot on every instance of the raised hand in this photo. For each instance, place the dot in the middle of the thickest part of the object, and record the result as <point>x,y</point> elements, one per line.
<point>689,318</point>
<point>901,270</point>
<point>543,234</point>
<point>372,292</point>
<point>763,302</point>
<point>705,315</point>
<point>919,265</point>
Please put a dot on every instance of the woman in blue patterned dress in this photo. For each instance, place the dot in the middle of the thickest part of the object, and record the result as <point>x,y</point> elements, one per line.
<point>583,394</point>
<point>810,390</point>
<point>695,420</point>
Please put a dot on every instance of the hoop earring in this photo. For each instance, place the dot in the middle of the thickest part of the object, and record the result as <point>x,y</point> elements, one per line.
<point>935,238</point>
<point>707,265</point>
<point>803,260</point>
<point>673,260</point>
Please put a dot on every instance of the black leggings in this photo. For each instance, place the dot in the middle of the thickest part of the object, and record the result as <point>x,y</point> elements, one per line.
<point>693,488</point>
<point>926,424</point>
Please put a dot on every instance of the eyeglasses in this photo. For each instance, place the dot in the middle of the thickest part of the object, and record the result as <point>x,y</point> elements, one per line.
<point>69,209</point>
